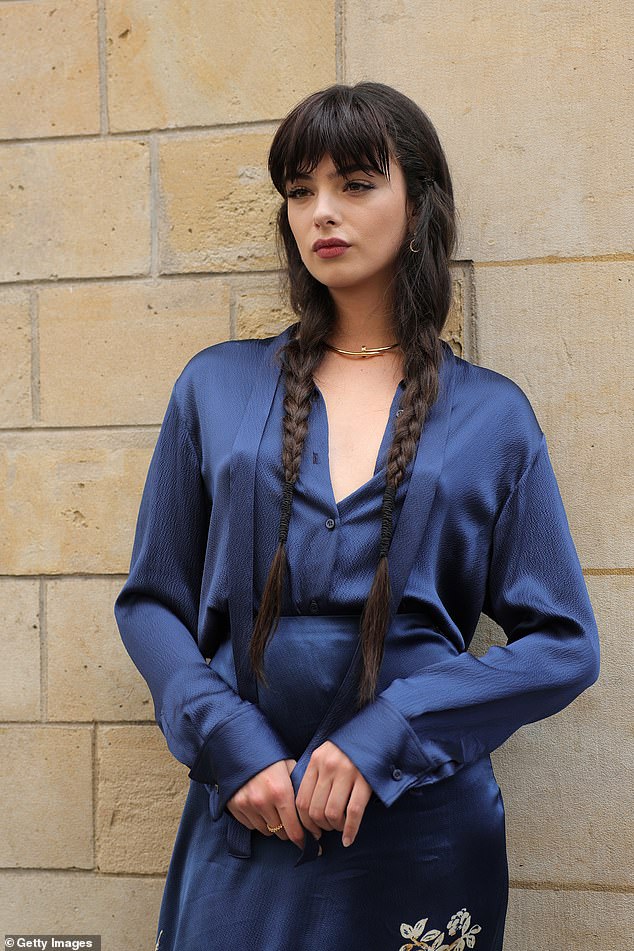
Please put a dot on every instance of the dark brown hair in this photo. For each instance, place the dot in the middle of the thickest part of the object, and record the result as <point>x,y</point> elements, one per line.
<point>364,124</point>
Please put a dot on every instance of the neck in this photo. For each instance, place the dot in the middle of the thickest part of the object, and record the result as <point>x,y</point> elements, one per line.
<point>360,320</point>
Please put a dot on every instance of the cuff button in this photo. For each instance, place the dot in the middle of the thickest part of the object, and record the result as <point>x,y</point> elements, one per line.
<point>396,773</point>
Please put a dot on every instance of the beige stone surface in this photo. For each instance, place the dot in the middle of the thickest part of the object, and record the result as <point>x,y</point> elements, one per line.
<point>51,85</point>
<point>457,326</point>
<point>122,345</point>
<point>141,794</point>
<point>562,778</point>
<point>217,206</point>
<point>90,675</point>
<point>533,104</point>
<point>46,794</point>
<point>122,909</point>
<point>260,308</point>
<point>70,499</point>
<point>568,920</point>
<point>173,63</point>
<point>15,366</point>
<point>562,333</point>
<point>74,208</point>
<point>20,637</point>
<point>144,190</point>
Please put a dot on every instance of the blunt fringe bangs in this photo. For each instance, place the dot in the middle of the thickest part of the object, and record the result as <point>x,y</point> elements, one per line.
<point>334,122</point>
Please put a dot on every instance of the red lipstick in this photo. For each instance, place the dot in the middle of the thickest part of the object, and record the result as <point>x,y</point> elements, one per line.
<point>330,247</point>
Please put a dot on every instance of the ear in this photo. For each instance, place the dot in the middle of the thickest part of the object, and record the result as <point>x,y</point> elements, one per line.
<point>412,215</point>
<point>412,207</point>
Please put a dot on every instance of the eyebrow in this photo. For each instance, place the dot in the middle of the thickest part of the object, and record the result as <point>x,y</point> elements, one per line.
<point>344,171</point>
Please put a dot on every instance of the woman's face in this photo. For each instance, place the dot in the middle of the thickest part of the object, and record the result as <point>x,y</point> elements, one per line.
<point>363,209</point>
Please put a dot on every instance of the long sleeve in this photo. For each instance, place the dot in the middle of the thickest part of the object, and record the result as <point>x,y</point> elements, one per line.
<point>425,726</point>
<point>208,727</point>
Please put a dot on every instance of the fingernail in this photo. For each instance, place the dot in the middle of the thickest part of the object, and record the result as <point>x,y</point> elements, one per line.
<point>346,841</point>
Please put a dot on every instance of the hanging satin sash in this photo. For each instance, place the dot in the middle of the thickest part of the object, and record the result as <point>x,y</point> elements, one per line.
<point>410,528</point>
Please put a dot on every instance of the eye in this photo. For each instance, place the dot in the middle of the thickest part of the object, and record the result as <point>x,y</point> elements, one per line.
<point>364,186</point>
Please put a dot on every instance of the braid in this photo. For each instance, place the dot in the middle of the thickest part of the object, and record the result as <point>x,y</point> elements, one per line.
<point>287,501</point>
<point>299,388</point>
<point>420,393</point>
<point>386,519</point>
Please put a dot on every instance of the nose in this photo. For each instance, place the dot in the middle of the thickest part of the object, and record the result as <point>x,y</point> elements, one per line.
<point>325,210</point>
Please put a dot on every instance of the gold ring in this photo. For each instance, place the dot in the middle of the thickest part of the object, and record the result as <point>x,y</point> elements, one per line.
<point>275,828</point>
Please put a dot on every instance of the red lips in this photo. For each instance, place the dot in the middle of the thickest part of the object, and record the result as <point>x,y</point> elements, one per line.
<point>330,243</point>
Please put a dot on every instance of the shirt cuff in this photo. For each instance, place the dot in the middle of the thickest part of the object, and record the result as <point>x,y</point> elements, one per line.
<point>235,750</point>
<point>384,748</point>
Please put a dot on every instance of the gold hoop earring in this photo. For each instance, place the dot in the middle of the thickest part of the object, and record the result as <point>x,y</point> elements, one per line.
<point>415,250</point>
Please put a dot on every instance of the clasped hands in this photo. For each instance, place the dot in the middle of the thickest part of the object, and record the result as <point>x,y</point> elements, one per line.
<point>333,794</point>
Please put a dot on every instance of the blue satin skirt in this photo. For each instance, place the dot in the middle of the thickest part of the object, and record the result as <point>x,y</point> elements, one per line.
<point>432,863</point>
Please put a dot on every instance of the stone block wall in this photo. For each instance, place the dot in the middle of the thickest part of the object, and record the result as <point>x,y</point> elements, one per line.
<point>135,229</point>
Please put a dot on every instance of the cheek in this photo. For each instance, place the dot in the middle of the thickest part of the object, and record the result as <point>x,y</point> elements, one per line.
<point>395,229</point>
<point>298,229</point>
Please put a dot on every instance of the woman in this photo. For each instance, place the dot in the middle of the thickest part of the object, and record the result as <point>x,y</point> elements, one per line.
<point>326,514</point>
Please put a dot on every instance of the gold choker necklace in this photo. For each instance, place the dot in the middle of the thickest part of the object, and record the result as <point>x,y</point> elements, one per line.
<point>364,352</point>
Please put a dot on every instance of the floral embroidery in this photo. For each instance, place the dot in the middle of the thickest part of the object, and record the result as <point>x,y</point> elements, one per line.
<point>461,921</point>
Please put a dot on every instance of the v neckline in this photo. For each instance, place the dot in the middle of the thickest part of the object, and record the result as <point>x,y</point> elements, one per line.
<point>380,462</point>
<point>420,491</point>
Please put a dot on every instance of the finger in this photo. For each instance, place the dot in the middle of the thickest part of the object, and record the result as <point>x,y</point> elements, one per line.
<point>359,798</point>
<point>322,810</point>
<point>292,824</point>
<point>274,822</point>
<point>337,802</point>
<point>305,804</point>
<point>241,816</point>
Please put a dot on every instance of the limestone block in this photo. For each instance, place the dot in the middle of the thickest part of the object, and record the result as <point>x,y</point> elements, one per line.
<point>217,204</point>
<point>533,105</point>
<point>46,795</point>
<point>15,367</point>
<point>568,919</point>
<point>260,308</point>
<point>562,333</point>
<point>90,674</point>
<point>458,324</point>
<point>20,667</point>
<point>53,89</point>
<point>70,499</point>
<point>123,909</point>
<point>122,345</point>
<point>142,790</point>
<point>179,63</point>
<point>75,208</point>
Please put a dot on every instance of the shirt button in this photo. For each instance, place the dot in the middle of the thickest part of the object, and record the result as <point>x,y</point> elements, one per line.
<point>330,523</point>
<point>396,773</point>
<point>313,607</point>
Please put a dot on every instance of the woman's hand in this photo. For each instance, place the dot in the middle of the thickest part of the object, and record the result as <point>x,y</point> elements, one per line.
<point>269,797</point>
<point>333,793</point>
